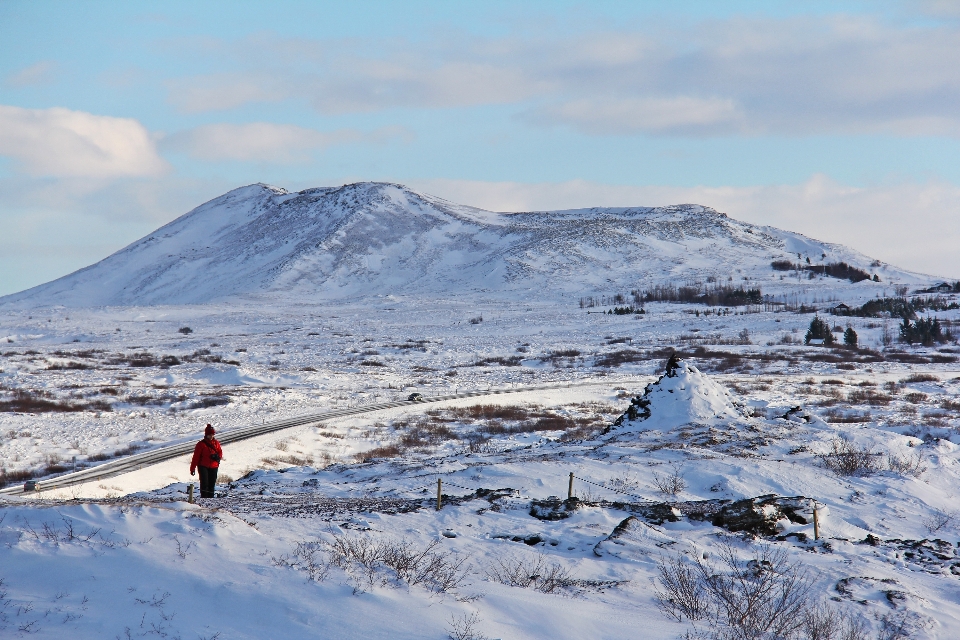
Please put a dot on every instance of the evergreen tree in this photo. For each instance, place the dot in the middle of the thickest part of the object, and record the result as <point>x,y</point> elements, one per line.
<point>850,337</point>
<point>819,330</point>
<point>926,331</point>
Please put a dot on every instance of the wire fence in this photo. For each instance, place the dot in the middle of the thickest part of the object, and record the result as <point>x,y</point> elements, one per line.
<point>446,482</point>
<point>597,484</point>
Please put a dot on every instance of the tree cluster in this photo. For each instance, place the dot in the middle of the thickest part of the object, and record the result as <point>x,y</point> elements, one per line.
<point>819,330</point>
<point>899,307</point>
<point>719,295</point>
<point>840,270</point>
<point>925,331</point>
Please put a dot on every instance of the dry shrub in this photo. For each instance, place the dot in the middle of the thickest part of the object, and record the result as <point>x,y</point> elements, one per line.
<point>494,412</point>
<point>13,477</point>
<point>671,484</point>
<point>938,520</point>
<point>289,460</point>
<point>536,573</point>
<point>915,398</point>
<point>868,396</point>
<point>503,361</point>
<point>910,465</point>
<point>920,377</point>
<point>385,451</point>
<point>424,432</point>
<point>842,417</point>
<point>764,597</point>
<point>371,562</point>
<point>617,358</point>
<point>25,401</point>
<point>846,458</point>
<point>583,429</point>
<point>464,627</point>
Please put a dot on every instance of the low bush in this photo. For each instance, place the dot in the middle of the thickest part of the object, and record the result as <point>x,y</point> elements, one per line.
<point>869,396</point>
<point>536,573</point>
<point>920,377</point>
<point>508,361</point>
<point>846,458</point>
<point>910,465</point>
<point>374,563</point>
<point>25,401</point>
<point>671,484</point>
<point>15,477</point>
<point>764,597</point>
<point>209,401</point>
<point>385,451</point>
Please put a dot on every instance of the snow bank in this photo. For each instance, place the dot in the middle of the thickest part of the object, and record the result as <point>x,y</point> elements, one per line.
<point>683,395</point>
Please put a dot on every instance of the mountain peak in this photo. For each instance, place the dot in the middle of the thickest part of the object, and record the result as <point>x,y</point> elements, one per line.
<point>378,238</point>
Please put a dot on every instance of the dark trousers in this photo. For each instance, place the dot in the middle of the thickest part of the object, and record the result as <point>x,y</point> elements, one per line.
<point>208,480</point>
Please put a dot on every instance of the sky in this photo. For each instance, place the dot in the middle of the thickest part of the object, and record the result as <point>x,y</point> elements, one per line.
<point>839,120</point>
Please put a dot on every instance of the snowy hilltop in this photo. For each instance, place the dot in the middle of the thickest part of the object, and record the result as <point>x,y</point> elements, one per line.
<point>370,239</point>
<point>682,395</point>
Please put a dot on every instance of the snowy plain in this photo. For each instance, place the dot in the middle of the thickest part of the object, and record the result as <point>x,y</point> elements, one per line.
<point>128,557</point>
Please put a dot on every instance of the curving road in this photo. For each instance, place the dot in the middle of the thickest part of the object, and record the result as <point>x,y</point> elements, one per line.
<point>162,454</point>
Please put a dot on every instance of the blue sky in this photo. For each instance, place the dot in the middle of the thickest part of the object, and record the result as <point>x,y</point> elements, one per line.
<point>835,119</point>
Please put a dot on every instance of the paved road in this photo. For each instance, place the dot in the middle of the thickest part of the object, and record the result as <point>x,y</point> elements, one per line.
<point>162,454</point>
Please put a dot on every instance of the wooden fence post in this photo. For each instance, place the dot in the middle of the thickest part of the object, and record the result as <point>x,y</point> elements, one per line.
<point>570,487</point>
<point>816,522</point>
<point>190,493</point>
<point>439,489</point>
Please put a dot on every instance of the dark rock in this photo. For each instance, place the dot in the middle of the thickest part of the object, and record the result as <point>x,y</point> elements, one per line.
<point>553,508</point>
<point>759,515</point>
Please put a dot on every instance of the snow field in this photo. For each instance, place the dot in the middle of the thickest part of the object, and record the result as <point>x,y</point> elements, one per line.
<point>223,577</point>
<point>293,361</point>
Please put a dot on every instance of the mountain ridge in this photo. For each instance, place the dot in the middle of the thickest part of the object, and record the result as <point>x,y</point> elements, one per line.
<point>374,238</point>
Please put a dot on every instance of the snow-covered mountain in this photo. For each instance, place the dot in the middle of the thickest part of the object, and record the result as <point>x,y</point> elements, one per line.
<point>376,238</point>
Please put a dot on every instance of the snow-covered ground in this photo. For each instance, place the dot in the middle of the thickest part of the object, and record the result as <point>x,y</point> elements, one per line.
<point>331,530</point>
<point>231,566</point>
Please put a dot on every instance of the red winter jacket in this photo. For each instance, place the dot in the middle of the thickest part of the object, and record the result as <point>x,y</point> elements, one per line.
<point>202,452</point>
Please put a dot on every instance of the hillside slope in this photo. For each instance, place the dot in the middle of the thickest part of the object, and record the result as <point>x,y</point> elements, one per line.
<point>376,239</point>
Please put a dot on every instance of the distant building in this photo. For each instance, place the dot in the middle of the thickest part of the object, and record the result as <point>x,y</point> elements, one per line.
<point>840,309</point>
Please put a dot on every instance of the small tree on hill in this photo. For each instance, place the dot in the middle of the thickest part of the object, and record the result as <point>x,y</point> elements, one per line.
<point>850,337</point>
<point>819,330</point>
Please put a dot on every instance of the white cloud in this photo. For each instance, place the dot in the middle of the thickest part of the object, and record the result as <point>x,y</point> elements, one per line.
<point>911,225</point>
<point>217,92</point>
<point>264,141</point>
<point>681,114</point>
<point>780,76</point>
<point>39,73</point>
<point>941,8</point>
<point>63,143</point>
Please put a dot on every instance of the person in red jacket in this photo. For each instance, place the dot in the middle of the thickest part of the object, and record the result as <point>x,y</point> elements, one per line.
<point>206,457</point>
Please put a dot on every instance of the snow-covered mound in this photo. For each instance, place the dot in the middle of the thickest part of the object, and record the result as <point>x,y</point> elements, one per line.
<point>378,239</point>
<point>683,395</point>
